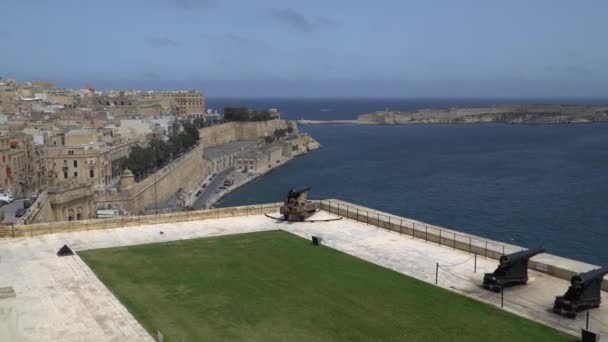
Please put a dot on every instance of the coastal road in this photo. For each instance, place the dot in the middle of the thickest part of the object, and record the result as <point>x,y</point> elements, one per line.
<point>10,209</point>
<point>208,192</point>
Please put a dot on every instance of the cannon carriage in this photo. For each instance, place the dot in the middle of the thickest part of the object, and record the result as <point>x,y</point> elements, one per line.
<point>584,293</point>
<point>512,270</point>
<point>297,207</point>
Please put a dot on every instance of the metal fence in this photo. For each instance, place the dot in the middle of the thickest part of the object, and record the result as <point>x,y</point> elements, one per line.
<point>415,229</point>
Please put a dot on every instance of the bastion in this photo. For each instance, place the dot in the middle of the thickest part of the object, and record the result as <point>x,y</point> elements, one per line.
<point>60,298</point>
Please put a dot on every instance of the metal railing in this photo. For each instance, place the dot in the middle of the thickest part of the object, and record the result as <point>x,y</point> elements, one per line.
<point>416,229</point>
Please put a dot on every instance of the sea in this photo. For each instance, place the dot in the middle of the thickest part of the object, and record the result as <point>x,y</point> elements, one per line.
<point>527,185</point>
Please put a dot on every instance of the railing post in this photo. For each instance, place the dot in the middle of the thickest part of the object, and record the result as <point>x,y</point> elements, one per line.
<point>436,273</point>
<point>454,240</point>
<point>469,244</point>
<point>357,214</point>
<point>475,265</point>
<point>401,226</point>
<point>486,250</point>
<point>426,233</point>
<point>440,231</point>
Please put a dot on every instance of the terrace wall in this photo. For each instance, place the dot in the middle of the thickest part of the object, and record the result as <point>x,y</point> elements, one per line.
<point>556,266</point>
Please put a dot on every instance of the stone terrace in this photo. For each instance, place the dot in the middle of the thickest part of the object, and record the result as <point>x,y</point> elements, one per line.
<point>61,299</point>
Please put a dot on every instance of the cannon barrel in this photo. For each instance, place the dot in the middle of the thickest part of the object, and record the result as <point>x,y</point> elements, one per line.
<point>589,276</point>
<point>295,193</point>
<point>527,254</point>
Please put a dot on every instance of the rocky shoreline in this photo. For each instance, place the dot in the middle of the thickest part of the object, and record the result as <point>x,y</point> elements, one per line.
<point>510,114</point>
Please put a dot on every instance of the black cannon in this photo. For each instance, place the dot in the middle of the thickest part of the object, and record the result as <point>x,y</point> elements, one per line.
<point>512,270</point>
<point>297,207</point>
<point>583,293</point>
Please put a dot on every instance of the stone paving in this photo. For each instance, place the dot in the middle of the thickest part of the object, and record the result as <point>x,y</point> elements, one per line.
<point>60,299</point>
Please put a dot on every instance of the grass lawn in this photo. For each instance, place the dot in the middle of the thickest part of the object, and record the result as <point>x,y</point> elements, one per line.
<point>274,286</point>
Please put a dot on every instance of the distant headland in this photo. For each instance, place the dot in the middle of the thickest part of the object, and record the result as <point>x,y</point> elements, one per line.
<point>509,114</point>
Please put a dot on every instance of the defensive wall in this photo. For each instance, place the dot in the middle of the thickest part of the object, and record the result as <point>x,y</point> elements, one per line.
<point>553,265</point>
<point>185,173</point>
<point>233,131</point>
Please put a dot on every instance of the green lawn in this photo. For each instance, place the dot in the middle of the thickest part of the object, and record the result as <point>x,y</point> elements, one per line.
<point>274,286</point>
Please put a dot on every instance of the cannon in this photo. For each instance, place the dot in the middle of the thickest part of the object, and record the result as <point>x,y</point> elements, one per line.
<point>297,207</point>
<point>512,270</point>
<point>584,293</point>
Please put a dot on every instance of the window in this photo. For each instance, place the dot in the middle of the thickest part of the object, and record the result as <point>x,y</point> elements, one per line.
<point>91,173</point>
<point>71,152</point>
<point>75,163</point>
<point>75,174</point>
<point>65,175</point>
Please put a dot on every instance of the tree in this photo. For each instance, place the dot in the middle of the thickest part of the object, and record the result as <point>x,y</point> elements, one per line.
<point>245,114</point>
<point>142,161</point>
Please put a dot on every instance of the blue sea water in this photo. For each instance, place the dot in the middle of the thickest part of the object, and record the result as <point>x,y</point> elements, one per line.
<point>522,184</point>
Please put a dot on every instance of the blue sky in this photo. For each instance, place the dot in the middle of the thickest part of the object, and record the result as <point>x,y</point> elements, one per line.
<point>389,48</point>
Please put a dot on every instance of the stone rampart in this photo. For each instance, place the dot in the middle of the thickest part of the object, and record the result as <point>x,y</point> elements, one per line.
<point>19,231</point>
<point>186,173</point>
<point>554,265</point>
<point>234,131</point>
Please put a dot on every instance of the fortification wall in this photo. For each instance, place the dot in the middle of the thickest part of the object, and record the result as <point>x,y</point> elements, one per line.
<point>37,229</point>
<point>233,131</point>
<point>186,173</point>
<point>554,265</point>
<point>189,172</point>
<point>218,134</point>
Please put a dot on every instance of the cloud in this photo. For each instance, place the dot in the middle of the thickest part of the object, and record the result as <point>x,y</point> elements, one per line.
<point>299,22</point>
<point>190,4</point>
<point>163,42</point>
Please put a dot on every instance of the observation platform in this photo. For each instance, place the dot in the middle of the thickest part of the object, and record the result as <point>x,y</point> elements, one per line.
<point>60,298</point>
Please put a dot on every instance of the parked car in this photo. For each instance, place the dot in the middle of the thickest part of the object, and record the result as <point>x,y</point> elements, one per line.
<point>198,193</point>
<point>27,203</point>
<point>7,196</point>
<point>34,195</point>
<point>3,203</point>
<point>20,212</point>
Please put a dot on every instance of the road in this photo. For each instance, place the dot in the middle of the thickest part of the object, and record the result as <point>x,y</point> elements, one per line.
<point>10,209</point>
<point>209,192</point>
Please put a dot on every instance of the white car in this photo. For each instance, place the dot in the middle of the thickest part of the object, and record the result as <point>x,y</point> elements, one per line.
<point>7,197</point>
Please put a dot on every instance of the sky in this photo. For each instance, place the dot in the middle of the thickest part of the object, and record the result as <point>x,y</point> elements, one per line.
<point>313,48</point>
